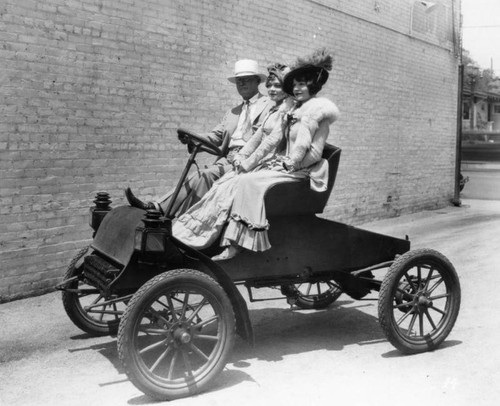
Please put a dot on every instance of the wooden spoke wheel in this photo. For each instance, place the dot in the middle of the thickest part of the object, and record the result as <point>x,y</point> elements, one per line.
<point>419,301</point>
<point>176,334</point>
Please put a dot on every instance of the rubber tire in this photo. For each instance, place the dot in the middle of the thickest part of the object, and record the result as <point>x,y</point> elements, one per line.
<point>140,303</point>
<point>390,283</point>
<point>316,302</point>
<point>74,309</point>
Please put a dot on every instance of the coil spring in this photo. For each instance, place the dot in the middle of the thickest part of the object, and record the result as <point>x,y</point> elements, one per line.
<point>99,273</point>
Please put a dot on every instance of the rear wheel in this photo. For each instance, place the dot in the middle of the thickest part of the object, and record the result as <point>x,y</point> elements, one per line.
<point>318,295</point>
<point>176,334</point>
<point>419,301</point>
<point>86,306</point>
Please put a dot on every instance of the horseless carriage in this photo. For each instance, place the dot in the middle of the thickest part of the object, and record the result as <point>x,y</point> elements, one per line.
<point>176,311</point>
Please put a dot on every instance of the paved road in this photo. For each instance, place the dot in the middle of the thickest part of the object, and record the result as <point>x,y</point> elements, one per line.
<point>336,356</point>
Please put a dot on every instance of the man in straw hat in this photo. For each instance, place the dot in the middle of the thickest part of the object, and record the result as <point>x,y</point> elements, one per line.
<point>236,127</point>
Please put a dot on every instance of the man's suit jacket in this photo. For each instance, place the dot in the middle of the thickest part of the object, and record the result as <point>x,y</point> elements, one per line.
<point>221,134</point>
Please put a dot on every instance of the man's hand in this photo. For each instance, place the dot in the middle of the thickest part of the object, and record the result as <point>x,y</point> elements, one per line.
<point>183,138</point>
<point>186,140</point>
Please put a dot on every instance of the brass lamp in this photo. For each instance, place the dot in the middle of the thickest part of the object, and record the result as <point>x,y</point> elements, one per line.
<point>151,239</point>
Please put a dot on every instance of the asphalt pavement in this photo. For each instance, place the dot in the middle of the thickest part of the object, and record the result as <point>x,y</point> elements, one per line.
<point>483,180</point>
<point>333,356</point>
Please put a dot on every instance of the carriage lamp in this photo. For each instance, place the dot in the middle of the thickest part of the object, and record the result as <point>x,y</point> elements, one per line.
<point>101,208</point>
<point>151,238</point>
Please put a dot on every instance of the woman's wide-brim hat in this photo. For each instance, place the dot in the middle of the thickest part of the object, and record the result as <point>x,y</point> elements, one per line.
<point>320,75</point>
<point>315,65</point>
<point>246,67</point>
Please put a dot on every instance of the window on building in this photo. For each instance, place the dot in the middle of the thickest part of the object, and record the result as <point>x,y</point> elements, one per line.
<point>465,111</point>
<point>432,19</point>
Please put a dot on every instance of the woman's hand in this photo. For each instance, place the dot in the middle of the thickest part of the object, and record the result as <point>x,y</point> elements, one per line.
<point>237,166</point>
<point>288,165</point>
<point>276,164</point>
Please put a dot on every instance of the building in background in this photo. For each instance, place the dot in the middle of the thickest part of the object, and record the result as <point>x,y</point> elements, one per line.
<point>480,99</point>
<point>91,93</point>
<point>480,114</point>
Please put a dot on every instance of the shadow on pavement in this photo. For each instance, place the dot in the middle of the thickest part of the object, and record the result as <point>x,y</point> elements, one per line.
<point>280,332</point>
<point>106,349</point>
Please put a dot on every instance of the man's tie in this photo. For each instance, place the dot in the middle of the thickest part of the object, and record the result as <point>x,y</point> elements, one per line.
<point>246,124</point>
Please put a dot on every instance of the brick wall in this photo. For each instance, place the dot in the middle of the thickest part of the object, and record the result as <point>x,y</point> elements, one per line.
<point>91,93</point>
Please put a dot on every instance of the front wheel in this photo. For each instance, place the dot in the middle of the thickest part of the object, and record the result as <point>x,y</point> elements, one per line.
<point>176,334</point>
<point>419,301</point>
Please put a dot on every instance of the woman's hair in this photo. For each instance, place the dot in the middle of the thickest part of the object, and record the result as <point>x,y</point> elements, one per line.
<point>271,77</point>
<point>310,78</point>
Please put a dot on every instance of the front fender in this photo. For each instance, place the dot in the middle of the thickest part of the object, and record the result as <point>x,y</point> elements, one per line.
<point>115,236</point>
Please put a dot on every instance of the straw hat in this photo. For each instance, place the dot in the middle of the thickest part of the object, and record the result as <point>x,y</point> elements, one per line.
<point>246,67</point>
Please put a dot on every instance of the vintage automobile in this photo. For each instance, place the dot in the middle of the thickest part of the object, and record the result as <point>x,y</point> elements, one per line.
<point>176,311</point>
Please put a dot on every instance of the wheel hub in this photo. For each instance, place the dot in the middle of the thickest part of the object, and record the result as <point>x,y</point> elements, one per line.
<point>181,335</point>
<point>422,301</point>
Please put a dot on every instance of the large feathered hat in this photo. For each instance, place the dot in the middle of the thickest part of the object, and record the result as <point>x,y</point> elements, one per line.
<point>316,65</point>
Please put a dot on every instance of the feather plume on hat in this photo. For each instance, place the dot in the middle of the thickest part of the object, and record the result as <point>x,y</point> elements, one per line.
<point>321,58</point>
<point>319,62</point>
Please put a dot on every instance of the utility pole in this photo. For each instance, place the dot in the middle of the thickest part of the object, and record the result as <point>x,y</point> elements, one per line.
<point>458,148</point>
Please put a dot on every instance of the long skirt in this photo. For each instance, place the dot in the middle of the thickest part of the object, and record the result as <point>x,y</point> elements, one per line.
<point>201,225</point>
<point>233,207</point>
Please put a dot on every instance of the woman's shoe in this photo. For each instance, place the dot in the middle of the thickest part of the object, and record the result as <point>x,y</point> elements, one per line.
<point>228,253</point>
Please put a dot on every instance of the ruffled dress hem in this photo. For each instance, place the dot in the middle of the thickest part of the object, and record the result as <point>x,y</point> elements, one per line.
<point>243,235</point>
<point>196,233</point>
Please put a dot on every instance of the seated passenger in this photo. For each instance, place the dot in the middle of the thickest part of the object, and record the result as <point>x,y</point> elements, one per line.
<point>235,129</point>
<point>304,128</point>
